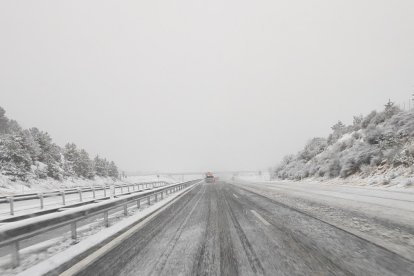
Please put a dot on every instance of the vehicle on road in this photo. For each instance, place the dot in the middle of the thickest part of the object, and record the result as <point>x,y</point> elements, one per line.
<point>210,178</point>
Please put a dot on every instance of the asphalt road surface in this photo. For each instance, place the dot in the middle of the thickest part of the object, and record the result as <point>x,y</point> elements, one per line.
<point>222,229</point>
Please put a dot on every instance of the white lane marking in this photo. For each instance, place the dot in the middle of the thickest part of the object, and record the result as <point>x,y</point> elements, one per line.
<point>265,222</point>
<point>235,196</point>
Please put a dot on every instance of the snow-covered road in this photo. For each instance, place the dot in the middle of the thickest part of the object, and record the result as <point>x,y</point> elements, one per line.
<point>383,216</point>
<point>230,229</point>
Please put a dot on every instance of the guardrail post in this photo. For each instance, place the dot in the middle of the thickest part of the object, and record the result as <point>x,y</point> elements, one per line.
<point>74,234</point>
<point>15,254</point>
<point>128,188</point>
<point>11,201</point>
<point>162,194</point>
<point>122,189</point>
<point>93,192</point>
<point>156,197</point>
<point>149,200</point>
<point>41,200</point>
<point>104,190</point>
<point>106,220</point>
<point>63,197</point>
<point>80,195</point>
<point>138,203</point>
<point>126,209</point>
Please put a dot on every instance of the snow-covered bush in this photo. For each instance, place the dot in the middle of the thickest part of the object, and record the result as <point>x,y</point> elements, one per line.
<point>334,168</point>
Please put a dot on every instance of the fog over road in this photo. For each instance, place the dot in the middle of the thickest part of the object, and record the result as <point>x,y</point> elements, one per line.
<point>223,229</point>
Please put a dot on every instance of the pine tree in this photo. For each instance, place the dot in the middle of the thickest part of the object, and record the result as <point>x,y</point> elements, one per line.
<point>390,109</point>
<point>85,165</point>
<point>71,163</point>
<point>4,122</point>
<point>14,159</point>
<point>338,127</point>
<point>50,152</point>
<point>357,122</point>
<point>113,170</point>
<point>31,145</point>
<point>101,166</point>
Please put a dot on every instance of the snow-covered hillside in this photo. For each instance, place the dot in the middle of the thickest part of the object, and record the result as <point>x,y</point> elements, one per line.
<point>379,144</point>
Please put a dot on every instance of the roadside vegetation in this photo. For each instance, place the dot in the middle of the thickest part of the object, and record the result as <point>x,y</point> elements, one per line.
<point>374,144</point>
<point>27,154</point>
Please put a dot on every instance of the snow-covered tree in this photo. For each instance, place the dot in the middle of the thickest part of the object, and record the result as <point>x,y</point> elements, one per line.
<point>71,163</point>
<point>113,170</point>
<point>84,165</point>
<point>101,166</point>
<point>4,122</point>
<point>390,109</point>
<point>14,159</point>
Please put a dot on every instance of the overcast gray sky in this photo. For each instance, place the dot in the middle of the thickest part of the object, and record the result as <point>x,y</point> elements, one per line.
<point>194,85</point>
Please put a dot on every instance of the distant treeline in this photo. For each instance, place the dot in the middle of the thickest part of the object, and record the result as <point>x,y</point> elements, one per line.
<point>30,153</point>
<point>372,144</point>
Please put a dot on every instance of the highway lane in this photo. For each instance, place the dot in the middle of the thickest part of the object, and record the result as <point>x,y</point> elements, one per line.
<point>221,229</point>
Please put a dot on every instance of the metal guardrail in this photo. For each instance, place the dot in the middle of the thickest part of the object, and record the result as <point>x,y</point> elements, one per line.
<point>12,234</point>
<point>62,193</point>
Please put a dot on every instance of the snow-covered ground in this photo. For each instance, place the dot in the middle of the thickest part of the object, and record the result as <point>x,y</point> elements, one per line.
<point>382,214</point>
<point>8,187</point>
